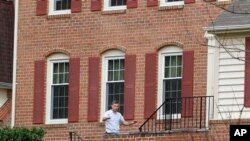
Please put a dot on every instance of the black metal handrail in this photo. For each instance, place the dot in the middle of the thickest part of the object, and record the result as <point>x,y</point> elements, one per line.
<point>73,136</point>
<point>178,114</point>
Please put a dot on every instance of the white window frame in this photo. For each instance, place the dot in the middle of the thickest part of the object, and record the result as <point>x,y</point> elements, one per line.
<point>55,58</point>
<point>163,3</point>
<point>107,7</point>
<point>109,55</point>
<point>57,12</point>
<point>166,51</point>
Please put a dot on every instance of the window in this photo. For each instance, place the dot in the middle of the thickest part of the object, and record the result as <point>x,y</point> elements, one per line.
<point>113,68</point>
<point>114,5</point>
<point>60,7</point>
<point>115,83</point>
<point>171,2</point>
<point>170,80</point>
<point>57,89</point>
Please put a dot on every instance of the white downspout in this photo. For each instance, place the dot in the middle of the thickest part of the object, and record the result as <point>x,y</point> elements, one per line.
<point>13,106</point>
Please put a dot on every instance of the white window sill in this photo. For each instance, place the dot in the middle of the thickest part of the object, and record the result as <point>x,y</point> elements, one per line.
<point>170,4</point>
<point>61,12</point>
<point>174,116</point>
<point>175,5</point>
<point>115,8</point>
<point>58,121</point>
<point>224,2</point>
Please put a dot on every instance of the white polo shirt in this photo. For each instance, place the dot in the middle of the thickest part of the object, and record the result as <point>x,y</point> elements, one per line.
<point>113,124</point>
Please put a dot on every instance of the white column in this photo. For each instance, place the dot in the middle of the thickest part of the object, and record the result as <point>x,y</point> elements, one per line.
<point>212,77</point>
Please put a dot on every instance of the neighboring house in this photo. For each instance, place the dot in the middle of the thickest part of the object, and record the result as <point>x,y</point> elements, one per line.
<point>74,57</point>
<point>229,66</point>
<point>6,59</point>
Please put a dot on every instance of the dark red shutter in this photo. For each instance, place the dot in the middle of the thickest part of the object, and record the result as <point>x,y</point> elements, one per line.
<point>187,83</point>
<point>129,97</point>
<point>93,88</point>
<point>150,84</point>
<point>152,3</point>
<point>132,3</point>
<point>41,7</point>
<point>96,5</point>
<point>74,84</point>
<point>76,6</point>
<point>189,1</point>
<point>247,73</point>
<point>39,92</point>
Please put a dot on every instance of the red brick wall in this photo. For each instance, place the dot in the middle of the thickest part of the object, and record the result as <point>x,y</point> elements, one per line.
<point>86,34</point>
<point>6,40</point>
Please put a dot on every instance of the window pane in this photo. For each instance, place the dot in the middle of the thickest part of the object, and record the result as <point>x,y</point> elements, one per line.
<point>173,61</point>
<point>167,61</point>
<point>62,4</point>
<point>117,2</point>
<point>58,4</point>
<point>55,78</point>
<point>173,0</point>
<point>117,64</point>
<point>167,72</point>
<point>173,72</point>
<point>67,67</point>
<point>60,101</point>
<point>115,92</point>
<point>55,102</point>
<point>121,75</point>
<point>116,70</point>
<point>61,78</point>
<point>66,78</point>
<point>110,65</point>
<point>172,90</point>
<point>55,68</point>
<point>178,71</point>
<point>110,76</point>
<point>61,67</point>
<point>179,60</point>
<point>122,64</point>
<point>61,73</point>
<point>116,75</point>
<point>55,114</point>
<point>65,4</point>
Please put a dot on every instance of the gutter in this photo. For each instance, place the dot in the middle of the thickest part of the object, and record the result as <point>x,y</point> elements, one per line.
<point>228,29</point>
<point>13,106</point>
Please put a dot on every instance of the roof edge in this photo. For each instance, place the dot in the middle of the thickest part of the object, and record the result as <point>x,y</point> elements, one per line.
<point>226,29</point>
<point>4,85</point>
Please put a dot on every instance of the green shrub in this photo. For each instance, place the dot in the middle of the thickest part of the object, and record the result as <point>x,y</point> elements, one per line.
<point>21,134</point>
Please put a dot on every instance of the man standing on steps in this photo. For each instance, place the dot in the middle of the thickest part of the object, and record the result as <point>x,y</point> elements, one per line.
<point>113,119</point>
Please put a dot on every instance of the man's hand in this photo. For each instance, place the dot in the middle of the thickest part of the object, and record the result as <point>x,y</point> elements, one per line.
<point>133,122</point>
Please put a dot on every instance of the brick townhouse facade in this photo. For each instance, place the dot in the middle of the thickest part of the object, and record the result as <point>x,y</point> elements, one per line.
<point>75,57</point>
<point>6,55</point>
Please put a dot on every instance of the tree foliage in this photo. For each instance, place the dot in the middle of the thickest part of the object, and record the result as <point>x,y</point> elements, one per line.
<point>21,134</point>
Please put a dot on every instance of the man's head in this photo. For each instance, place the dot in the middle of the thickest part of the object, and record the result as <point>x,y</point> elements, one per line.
<point>115,106</point>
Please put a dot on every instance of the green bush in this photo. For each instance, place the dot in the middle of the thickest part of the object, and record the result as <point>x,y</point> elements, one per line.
<point>21,134</point>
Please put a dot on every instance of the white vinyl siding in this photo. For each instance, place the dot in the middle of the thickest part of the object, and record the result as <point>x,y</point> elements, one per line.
<point>228,87</point>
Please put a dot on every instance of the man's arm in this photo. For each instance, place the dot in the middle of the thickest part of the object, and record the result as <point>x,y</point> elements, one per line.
<point>105,118</point>
<point>128,122</point>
